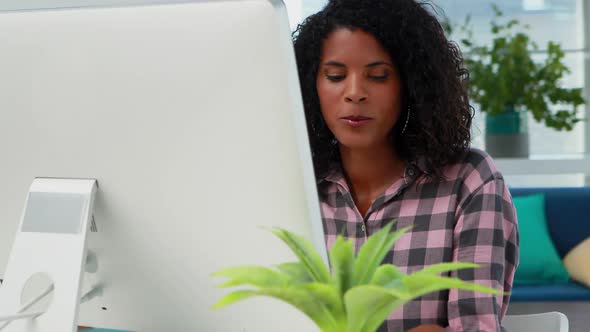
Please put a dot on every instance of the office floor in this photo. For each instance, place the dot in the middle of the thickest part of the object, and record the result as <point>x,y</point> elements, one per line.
<point>578,313</point>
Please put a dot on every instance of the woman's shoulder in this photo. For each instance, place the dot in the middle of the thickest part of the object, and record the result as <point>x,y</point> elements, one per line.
<point>479,161</point>
<point>472,169</point>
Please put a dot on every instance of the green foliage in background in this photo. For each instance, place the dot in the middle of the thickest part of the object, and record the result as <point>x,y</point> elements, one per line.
<point>359,292</point>
<point>504,76</point>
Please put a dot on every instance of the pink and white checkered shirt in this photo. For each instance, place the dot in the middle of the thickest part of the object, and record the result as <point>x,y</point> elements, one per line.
<point>467,217</point>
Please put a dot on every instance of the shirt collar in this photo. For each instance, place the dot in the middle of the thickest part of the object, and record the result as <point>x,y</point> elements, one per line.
<point>335,174</point>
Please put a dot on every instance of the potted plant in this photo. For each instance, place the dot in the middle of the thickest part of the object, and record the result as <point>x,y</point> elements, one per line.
<point>357,294</point>
<point>507,82</point>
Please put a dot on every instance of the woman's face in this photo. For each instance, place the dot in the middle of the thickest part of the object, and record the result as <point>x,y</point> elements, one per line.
<point>359,89</point>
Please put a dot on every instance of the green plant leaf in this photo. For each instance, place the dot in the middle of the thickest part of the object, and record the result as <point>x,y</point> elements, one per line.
<point>446,267</point>
<point>253,275</point>
<point>329,296</point>
<point>373,252</point>
<point>296,271</point>
<point>466,42</point>
<point>320,302</point>
<point>385,274</point>
<point>234,297</point>
<point>306,253</point>
<point>342,260</point>
<point>418,284</point>
<point>368,306</point>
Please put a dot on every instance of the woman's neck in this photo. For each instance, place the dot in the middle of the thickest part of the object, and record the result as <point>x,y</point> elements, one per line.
<point>370,171</point>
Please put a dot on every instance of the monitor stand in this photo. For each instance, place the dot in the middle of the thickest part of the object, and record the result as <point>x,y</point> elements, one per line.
<point>50,240</point>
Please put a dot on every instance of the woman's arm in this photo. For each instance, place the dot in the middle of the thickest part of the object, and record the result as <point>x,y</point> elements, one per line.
<point>427,328</point>
<point>485,233</point>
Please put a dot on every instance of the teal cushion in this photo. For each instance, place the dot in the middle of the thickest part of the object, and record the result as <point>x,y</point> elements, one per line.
<point>539,261</point>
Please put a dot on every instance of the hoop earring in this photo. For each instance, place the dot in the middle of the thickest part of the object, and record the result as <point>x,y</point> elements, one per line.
<point>407,120</point>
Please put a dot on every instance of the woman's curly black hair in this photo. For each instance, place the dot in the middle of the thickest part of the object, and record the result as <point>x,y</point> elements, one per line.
<point>431,70</point>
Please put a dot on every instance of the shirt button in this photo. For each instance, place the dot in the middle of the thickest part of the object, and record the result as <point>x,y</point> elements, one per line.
<point>363,227</point>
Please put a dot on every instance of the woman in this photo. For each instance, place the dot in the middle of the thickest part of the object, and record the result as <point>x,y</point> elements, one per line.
<point>389,121</point>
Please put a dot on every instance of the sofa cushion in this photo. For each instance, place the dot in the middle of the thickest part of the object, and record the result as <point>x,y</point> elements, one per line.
<point>577,262</point>
<point>557,292</point>
<point>539,261</point>
<point>567,214</point>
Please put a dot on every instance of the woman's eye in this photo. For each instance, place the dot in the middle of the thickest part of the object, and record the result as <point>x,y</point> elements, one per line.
<point>379,78</point>
<point>335,78</point>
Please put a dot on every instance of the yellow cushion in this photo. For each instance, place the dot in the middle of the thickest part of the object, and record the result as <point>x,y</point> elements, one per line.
<point>577,262</point>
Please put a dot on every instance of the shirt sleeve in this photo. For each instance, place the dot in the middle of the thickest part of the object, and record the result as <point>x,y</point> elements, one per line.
<point>485,233</point>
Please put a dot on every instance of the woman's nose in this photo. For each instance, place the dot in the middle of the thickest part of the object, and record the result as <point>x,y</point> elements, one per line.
<point>355,90</point>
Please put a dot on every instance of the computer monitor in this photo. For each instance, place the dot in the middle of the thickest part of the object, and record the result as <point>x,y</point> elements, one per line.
<point>190,118</point>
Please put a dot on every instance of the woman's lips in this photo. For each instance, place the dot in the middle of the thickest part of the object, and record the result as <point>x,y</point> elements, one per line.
<point>356,121</point>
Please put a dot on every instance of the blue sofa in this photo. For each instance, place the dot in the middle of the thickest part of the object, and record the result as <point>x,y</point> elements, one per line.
<point>568,217</point>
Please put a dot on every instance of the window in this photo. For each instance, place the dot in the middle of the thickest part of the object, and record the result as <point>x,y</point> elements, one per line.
<point>556,20</point>
<point>312,6</point>
<point>550,20</point>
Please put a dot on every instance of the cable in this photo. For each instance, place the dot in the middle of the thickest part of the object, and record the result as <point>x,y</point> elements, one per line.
<point>20,315</point>
<point>10,318</point>
<point>29,304</point>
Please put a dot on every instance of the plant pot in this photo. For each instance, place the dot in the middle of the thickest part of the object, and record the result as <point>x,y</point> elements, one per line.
<point>507,134</point>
